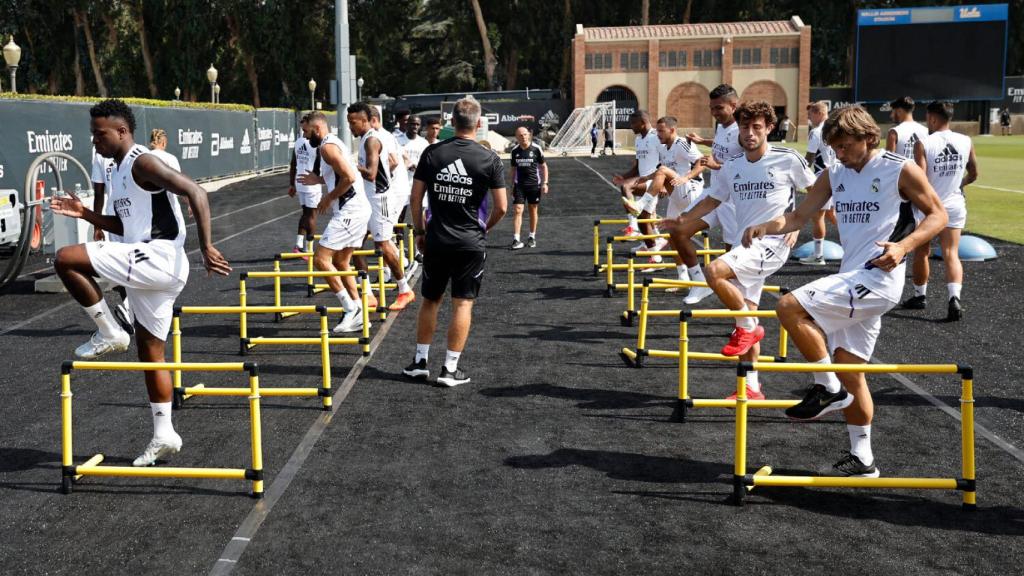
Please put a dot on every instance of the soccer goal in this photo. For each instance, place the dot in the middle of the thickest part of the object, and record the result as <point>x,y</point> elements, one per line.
<point>574,136</point>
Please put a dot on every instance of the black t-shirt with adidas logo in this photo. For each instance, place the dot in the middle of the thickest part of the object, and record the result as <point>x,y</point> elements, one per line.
<point>458,174</point>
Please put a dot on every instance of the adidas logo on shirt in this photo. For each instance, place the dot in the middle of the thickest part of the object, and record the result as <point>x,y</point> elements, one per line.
<point>456,173</point>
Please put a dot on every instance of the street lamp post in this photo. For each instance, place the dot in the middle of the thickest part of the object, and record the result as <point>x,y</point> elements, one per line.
<point>312,94</point>
<point>177,93</point>
<point>12,55</point>
<point>216,93</point>
<point>359,89</point>
<point>211,75</point>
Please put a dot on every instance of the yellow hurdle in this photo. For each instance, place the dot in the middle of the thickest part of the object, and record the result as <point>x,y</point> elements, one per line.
<point>631,285</point>
<point>71,473</point>
<point>311,288</point>
<point>324,392</point>
<point>966,483</point>
<point>609,266</point>
<point>245,342</point>
<point>597,236</point>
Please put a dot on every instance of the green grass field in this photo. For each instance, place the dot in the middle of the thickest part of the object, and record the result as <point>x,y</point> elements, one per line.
<point>995,203</point>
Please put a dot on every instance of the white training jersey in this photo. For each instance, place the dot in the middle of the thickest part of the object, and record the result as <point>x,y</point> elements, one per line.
<point>726,143</point>
<point>869,209</point>
<point>413,150</point>
<point>824,156</point>
<point>907,134</point>
<point>762,190</point>
<point>647,152</point>
<point>946,153</point>
<point>400,176</point>
<point>145,215</point>
<point>305,161</point>
<point>342,207</point>
<point>100,167</point>
<point>679,156</point>
<point>167,158</point>
<point>383,181</point>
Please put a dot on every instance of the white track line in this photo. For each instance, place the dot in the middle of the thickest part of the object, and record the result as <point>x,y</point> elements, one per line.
<point>909,384</point>
<point>996,188</point>
<point>599,175</point>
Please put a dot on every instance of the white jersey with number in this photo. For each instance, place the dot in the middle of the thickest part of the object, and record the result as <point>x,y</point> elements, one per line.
<point>946,153</point>
<point>762,190</point>
<point>869,209</point>
<point>305,160</point>
<point>358,204</point>
<point>647,156</point>
<point>824,156</point>
<point>907,134</point>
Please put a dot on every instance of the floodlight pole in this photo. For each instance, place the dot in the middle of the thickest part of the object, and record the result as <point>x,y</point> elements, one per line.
<point>342,66</point>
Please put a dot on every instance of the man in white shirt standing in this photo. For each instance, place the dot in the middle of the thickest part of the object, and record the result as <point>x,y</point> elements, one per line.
<point>158,147</point>
<point>630,184</point>
<point>947,158</point>
<point>304,160</point>
<point>905,132</point>
<point>820,156</point>
<point>762,184</point>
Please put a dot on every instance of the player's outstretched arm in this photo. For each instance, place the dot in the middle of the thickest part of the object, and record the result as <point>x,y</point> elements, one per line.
<point>153,175</point>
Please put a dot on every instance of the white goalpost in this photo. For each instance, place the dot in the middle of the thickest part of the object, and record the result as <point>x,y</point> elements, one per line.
<point>574,135</point>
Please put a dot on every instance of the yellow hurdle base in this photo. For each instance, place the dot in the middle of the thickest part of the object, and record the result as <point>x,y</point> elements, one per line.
<point>92,467</point>
<point>764,477</point>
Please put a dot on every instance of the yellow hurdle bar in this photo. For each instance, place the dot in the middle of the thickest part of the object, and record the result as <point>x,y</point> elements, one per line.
<point>658,284</point>
<point>597,236</point>
<point>299,341</point>
<point>742,482</point>
<point>70,473</point>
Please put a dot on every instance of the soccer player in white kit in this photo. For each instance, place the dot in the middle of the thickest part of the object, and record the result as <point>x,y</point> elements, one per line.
<point>948,160</point>
<point>149,261</point>
<point>905,133</point>
<point>820,156</point>
<point>873,193</point>
<point>304,158</point>
<point>761,183</point>
<point>378,158</point>
<point>346,200</point>
<point>629,183</point>
<point>677,176</point>
<point>158,148</point>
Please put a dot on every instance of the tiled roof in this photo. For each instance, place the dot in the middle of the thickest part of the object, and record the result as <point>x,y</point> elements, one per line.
<point>715,29</point>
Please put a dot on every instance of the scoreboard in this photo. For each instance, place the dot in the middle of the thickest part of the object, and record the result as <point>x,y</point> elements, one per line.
<point>942,53</point>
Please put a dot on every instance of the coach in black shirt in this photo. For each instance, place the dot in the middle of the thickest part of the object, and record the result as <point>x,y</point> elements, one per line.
<point>456,175</point>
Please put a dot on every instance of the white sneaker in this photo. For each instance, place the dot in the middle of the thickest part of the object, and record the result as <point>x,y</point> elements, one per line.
<point>125,318</point>
<point>697,293</point>
<point>157,449</point>
<point>660,244</point>
<point>813,260</point>
<point>387,273</point>
<point>651,260</point>
<point>411,268</point>
<point>98,345</point>
<point>350,322</point>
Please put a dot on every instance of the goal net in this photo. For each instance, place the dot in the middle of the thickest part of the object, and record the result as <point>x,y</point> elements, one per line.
<point>574,135</point>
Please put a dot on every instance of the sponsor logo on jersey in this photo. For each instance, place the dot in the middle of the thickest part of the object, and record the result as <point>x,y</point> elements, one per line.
<point>840,188</point>
<point>455,173</point>
<point>876,184</point>
<point>856,212</point>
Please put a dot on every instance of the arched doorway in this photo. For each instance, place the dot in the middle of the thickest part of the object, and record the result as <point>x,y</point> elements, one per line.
<point>688,102</point>
<point>625,103</point>
<point>772,93</point>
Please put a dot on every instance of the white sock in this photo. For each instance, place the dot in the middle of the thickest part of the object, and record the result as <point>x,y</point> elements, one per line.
<point>422,351</point>
<point>300,242</point>
<point>921,290</point>
<point>860,443</point>
<point>515,237</point>
<point>100,314</point>
<point>162,427</point>
<point>827,379</point>
<point>632,222</point>
<point>347,303</point>
<point>403,285</point>
<point>533,235</point>
<point>954,289</point>
<point>753,384</point>
<point>819,247</point>
<point>681,272</point>
<point>696,274</point>
<point>748,323</point>
<point>451,360</point>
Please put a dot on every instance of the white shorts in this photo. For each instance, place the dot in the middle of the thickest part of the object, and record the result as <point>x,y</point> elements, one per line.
<point>725,217</point>
<point>308,197</point>
<point>849,314</point>
<point>752,266</point>
<point>956,209</point>
<point>679,201</point>
<point>383,217</point>
<point>345,230</point>
<point>152,273</point>
<point>828,204</point>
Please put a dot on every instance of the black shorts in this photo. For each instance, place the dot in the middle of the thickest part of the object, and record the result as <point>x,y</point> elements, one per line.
<point>524,194</point>
<point>465,270</point>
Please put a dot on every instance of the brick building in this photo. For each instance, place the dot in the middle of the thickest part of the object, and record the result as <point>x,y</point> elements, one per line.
<point>670,69</point>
